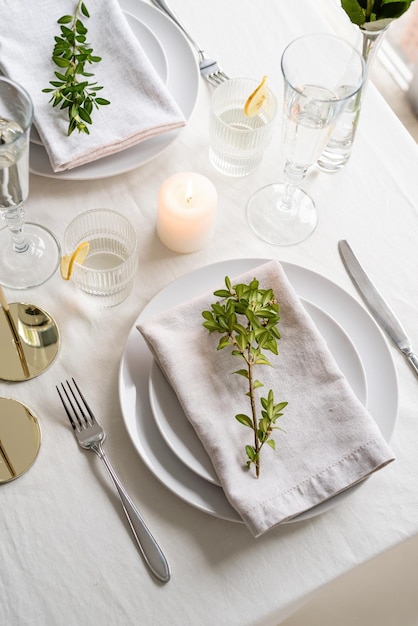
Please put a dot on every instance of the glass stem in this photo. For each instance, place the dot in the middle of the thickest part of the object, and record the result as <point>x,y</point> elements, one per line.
<point>293,177</point>
<point>14,218</point>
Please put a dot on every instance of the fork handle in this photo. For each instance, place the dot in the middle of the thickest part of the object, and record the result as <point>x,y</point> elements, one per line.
<point>162,4</point>
<point>148,546</point>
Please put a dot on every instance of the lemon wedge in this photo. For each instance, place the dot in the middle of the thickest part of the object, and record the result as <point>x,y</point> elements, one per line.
<point>256,100</point>
<point>67,262</point>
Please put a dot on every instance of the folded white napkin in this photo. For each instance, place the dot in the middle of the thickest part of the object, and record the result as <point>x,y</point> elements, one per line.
<point>141,105</point>
<point>331,442</point>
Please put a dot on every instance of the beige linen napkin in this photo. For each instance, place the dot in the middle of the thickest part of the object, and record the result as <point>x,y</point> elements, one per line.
<point>141,105</point>
<point>331,441</point>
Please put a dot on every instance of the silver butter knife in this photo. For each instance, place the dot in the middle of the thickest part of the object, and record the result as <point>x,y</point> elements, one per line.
<point>378,307</point>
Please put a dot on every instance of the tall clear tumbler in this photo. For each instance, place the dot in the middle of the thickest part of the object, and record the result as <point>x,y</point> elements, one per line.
<point>29,254</point>
<point>321,74</point>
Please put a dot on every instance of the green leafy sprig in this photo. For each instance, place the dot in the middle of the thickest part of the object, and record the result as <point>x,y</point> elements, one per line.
<point>247,319</point>
<point>71,88</point>
<point>374,14</point>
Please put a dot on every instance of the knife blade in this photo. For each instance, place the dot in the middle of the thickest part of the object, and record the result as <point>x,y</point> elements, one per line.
<point>376,304</point>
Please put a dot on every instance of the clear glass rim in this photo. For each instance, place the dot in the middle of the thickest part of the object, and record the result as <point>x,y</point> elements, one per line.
<point>22,92</point>
<point>344,42</point>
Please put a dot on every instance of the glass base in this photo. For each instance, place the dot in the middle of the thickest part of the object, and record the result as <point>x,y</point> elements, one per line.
<point>278,226</point>
<point>34,266</point>
<point>333,160</point>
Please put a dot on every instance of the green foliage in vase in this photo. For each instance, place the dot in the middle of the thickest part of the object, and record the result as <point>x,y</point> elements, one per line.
<point>247,318</point>
<point>72,89</point>
<point>374,14</point>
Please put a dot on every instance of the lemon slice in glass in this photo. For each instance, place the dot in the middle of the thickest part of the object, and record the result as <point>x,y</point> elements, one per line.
<point>256,100</point>
<point>67,262</point>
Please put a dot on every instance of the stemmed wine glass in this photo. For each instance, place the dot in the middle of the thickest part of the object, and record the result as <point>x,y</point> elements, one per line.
<point>321,74</point>
<point>29,253</point>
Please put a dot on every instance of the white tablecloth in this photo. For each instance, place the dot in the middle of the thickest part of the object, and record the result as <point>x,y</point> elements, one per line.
<point>66,553</point>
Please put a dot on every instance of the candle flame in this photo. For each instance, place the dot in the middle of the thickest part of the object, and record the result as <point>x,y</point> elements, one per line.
<point>189,191</point>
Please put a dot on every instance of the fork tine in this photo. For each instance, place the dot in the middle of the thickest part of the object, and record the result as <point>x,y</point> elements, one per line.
<point>218,78</point>
<point>88,409</point>
<point>64,404</point>
<point>75,416</point>
<point>213,80</point>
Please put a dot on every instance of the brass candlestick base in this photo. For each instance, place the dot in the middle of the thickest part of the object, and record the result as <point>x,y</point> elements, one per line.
<point>20,439</point>
<point>29,341</point>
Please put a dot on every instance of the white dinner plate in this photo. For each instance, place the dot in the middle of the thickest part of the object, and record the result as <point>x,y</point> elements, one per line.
<point>382,388</point>
<point>182,82</point>
<point>180,435</point>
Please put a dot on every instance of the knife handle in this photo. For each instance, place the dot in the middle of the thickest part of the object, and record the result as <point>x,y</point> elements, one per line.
<point>413,361</point>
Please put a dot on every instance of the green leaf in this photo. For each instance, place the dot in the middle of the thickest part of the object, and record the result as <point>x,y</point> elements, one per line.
<point>354,11</point>
<point>392,9</point>
<point>242,373</point>
<point>84,10</point>
<point>239,328</point>
<point>250,453</point>
<point>102,101</point>
<point>61,62</point>
<point>280,406</point>
<point>223,342</point>
<point>80,28</point>
<point>67,32</point>
<point>84,115</point>
<point>210,326</point>
<point>264,424</point>
<point>241,340</point>
<point>223,322</point>
<point>221,293</point>
<point>262,360</point>
<point>271,346</point>
<point>244,419</point>
<point>263,338</point>
<point>65,19</point>
<point>271,443</point>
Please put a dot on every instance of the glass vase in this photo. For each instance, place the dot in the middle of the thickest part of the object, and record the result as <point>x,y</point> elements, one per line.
<point>338,149</point>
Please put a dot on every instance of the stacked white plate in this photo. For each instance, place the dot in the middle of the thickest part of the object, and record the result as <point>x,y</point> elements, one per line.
<point>158,428</point>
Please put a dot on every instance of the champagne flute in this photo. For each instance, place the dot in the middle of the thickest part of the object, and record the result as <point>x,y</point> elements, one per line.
<point>321,74</point>
<point>29,253</point>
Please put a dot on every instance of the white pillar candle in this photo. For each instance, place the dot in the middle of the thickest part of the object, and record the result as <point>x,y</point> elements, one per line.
<point>187,205</point>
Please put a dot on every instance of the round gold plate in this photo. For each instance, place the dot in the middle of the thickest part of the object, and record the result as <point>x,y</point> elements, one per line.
<point>20,439</point>
<point>29,342</point>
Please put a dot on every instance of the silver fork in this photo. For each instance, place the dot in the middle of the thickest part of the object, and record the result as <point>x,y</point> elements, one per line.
<point>90,436</point>
<point>209,68</point>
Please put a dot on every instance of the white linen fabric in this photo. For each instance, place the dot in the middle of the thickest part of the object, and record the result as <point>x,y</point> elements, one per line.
<point>67,555</point>
<point>140,103</point>
<point>330,441</point>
